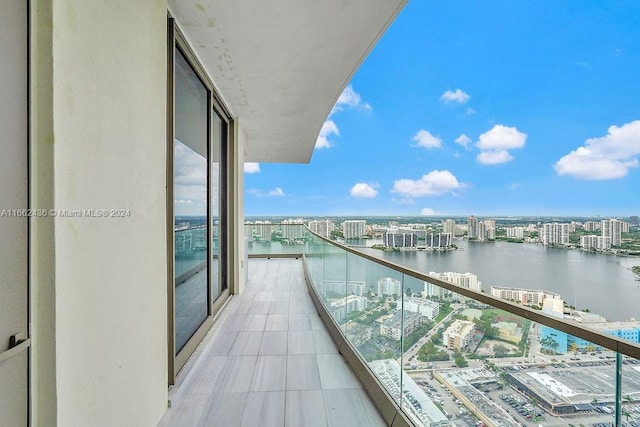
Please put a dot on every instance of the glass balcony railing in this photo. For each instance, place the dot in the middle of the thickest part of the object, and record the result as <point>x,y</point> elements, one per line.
<point>265,238</point>
<point>449,355</point>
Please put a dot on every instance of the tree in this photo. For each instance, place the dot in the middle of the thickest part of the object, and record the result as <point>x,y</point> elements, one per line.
<point>485,323</point>
<point>550,343</point>
<point>408,291</point>
<point>459,360</point>
<point>500,350</point>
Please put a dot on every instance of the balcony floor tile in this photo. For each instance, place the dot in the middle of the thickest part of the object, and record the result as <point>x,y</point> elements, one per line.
<point>269,361</point>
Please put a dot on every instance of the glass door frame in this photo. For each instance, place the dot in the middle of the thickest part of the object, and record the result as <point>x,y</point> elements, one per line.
<point>175,39</point>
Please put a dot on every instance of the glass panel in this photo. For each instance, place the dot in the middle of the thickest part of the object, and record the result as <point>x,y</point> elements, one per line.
<point>266,238</point>
<point>630,393</point>
<point>190,201</point>
<point>217,137</point>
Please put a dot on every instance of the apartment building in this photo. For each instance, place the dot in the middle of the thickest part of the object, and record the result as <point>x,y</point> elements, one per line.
<point>105,105</point>
<point>354,229</point>
<point>523,296</point>
<point>389,286</point>
<point>612,228</point>
<point>458,335</point>
<point>340,309</point>
<point>322,227</point>
<point>465,280</point>
<point>395,325</point>
<point>555,234</point>
<point>424,307</point>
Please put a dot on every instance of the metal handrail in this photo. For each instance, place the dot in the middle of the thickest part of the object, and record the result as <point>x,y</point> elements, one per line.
<point>8,354</point>
<point>607,341</point>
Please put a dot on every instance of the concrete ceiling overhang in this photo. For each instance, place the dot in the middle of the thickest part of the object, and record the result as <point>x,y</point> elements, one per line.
<point>280,65</point>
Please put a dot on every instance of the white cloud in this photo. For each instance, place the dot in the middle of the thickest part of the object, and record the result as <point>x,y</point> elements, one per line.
<point>608,157</point>
<point>470,111</point>
<point>363,190</point>
<point>427,211</point>
<point>432,184</point>
<point>501,137</point>
<point>328,128</point>
<point>352,99</point>
<point>464,140</point>
<point>424,139</point>
<point>457,95</point>
<point>251,167</point>
<point>495,143</point>
<point>348,98</point>
<point>494,157</point>
<point>277,192</point>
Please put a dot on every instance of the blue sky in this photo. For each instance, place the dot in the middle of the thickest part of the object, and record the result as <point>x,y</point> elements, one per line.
<point>485,108</point>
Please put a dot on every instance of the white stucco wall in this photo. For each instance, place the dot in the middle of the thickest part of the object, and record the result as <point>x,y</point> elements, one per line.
<point>108,136</point>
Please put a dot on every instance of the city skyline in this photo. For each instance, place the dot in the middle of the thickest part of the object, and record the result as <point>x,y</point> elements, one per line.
<point>452,119</point>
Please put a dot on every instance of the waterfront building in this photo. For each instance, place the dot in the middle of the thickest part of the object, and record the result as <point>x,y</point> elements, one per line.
<point>440,240</point>
<point>322,227</point>
<point>472,227</point>
<point>350,287</point>
<point>424,307</point>
<point>612,228</point>
<point>515,232</point>
<point>395,325</point>
<point>555,234</point>
<point>263,230</point>
<point>449,227</point>
<point>341,308</point>
<point>354,229</point>
<point>293,229</point>
<point>389,286</point>
<point>458,335</point>
<point>400,240</point>
<point>595,242</point>
<point>465,280</point>
<point>481,230</point>
<point>431,290</point>
<point>523,296</point>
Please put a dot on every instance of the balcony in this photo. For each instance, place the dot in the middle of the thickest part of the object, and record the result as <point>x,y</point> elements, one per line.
<point>269,361</point>
<point>327,335</point>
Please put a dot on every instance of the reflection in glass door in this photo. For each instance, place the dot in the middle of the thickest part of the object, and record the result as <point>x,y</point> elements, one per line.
<point>191,201</point>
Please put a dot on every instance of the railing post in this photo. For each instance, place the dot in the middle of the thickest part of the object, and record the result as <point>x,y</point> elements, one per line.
<point>618,388</point>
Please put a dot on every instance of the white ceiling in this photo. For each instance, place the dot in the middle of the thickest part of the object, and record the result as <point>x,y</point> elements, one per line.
<point>280,65</point>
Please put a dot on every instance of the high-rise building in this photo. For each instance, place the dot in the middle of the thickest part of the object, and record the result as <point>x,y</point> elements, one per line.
<point>293,229</point>
<point>400,240</point>
<point>595,242</point>
<point>612,228</point>
<point>555,234</point>
<point>472,227</point>
<point>515,232</point>
<point>353,229</point>
<point>450,227</point>
<point>322,227</point>
<point>440,240</point>
<point>389,286</point>
<point>263,230</point>
<point>465,280</point>
<point>592,226</point>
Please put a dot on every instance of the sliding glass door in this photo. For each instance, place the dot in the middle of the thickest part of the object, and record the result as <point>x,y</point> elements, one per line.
<point>198,136</point>
<point>191,189</point>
